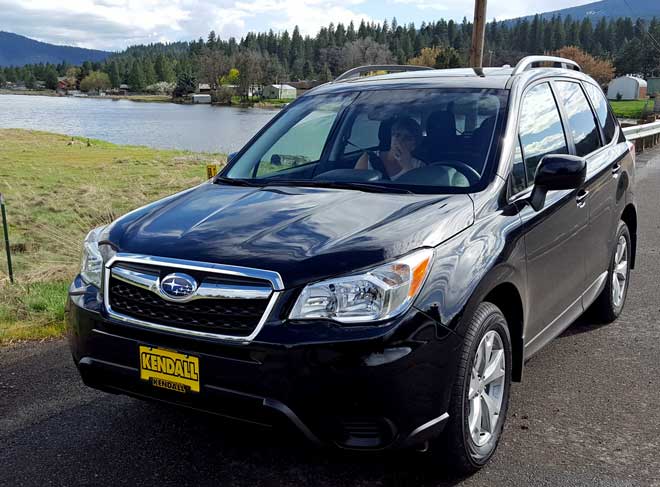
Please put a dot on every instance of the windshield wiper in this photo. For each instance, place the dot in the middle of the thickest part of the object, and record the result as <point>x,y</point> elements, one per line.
<point>360,186</point>
<point>236,182</point>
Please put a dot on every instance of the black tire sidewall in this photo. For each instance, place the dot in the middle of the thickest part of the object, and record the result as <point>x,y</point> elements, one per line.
<point>494,320</point>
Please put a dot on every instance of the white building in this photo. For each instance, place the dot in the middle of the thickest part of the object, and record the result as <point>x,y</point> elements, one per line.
<point>629,87</point>
<point>281,92</point>
<point>201,98</point>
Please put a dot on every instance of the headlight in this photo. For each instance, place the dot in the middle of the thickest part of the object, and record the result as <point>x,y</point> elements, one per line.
<point>377,294</point>
<point>91,269</point>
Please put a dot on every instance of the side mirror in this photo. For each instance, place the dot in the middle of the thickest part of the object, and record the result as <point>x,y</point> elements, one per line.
<point>276,160</point>
<point>557,172</point>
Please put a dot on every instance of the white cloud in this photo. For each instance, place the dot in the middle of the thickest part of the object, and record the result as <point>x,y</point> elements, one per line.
<point>116,24</point>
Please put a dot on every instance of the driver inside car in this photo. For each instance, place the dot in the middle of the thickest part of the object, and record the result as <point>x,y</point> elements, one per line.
<point>405,137</point>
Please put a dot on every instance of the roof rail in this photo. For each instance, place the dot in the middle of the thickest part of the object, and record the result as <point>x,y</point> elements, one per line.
<point>392,68</point>
<point>558,62</point>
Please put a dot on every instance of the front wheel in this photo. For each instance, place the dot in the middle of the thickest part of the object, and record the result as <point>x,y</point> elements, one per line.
<point>480,397</point>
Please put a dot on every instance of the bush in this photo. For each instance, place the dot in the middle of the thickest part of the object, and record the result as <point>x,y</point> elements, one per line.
<point>619,96</point>
<point>223,95</point>
<point>161,88</point>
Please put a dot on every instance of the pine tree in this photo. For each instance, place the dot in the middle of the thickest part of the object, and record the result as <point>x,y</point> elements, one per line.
<point>136,78</point>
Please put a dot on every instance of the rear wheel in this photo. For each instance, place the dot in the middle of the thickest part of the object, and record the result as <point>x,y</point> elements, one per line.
<point>609,304</point>
<point>480,397</point>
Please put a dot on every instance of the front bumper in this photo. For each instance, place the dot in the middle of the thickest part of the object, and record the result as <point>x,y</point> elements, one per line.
<point>342,392</point>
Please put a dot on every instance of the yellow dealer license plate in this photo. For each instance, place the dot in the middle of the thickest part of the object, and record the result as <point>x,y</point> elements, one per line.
<point>169,370</point>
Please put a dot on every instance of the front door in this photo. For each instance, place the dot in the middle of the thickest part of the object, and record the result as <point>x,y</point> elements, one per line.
<point>554,236</point>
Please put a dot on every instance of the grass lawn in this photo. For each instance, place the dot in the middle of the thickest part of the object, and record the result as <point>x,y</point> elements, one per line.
<point>630,108</point>
<point>56,189</point>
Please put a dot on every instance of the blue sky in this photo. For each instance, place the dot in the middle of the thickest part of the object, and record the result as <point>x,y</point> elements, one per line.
<point>116,24</point>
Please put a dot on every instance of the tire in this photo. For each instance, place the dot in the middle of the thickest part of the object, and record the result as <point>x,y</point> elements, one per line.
<point>607,307</point>
<point>457,446</point>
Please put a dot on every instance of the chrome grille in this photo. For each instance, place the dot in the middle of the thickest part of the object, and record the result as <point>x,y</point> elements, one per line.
<point>229,302</point>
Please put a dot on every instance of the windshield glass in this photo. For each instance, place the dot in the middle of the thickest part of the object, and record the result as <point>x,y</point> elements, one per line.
<point>421,140</point>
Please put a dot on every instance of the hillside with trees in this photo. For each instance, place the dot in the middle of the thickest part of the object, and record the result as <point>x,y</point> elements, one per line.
<point>620,46</point>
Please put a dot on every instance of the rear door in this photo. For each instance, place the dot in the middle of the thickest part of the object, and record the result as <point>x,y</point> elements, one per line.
<point>554,236</point>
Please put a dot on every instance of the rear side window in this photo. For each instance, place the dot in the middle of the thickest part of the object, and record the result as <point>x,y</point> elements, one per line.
<point>605,118</point>
<point>581,120</point>
<point>541,132</point>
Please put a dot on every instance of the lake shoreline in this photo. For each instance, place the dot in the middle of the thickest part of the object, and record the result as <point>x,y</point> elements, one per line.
<point>143,98</point>
<point>199,127</point>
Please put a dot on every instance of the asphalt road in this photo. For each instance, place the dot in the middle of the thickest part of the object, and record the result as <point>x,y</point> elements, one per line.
<point>587,413</point>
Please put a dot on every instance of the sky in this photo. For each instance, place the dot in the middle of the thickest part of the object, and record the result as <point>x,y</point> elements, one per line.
<point>116,24</point>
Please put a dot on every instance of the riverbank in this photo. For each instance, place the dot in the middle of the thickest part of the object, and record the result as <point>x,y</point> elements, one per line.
<point>57,188</point>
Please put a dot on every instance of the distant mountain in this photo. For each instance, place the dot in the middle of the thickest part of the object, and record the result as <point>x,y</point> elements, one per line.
<point>610,9</point>
<point>16,50</point>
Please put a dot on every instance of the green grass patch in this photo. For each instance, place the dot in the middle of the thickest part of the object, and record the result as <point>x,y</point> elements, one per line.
<point>631,108</point>
<point>56,189</point>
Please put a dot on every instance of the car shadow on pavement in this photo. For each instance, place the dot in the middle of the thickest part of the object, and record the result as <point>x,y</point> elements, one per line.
<point>279,456</point>
<point>586,323</point>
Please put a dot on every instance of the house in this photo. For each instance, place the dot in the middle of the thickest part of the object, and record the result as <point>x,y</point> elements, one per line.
<point>203,88</point>
<point>62,84</point>
<point>201,98</point>
<point>629,87</point>
<point>279,91</point>
<point>305,85</point>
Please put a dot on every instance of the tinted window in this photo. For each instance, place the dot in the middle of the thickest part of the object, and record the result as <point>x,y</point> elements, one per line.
<point>580,117</point>
<point>541,132</point>
<point>518,178</point>
<point>605,118</point>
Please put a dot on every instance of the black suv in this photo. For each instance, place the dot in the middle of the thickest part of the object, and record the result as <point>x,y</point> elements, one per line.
<point>376,265</point>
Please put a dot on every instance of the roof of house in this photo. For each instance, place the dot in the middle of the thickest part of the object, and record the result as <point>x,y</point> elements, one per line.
<point>282,87</point>
<point>639,80</point>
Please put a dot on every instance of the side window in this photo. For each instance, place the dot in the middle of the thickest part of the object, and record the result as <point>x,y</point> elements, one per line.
<point>605,118</point>
<point>364,133</point>
<point>580,117</point>
<point>302,143</point>
<point>540,128</point>
<point>518,178</point>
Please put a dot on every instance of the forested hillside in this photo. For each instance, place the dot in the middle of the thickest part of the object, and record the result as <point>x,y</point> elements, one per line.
<point>288,56</point>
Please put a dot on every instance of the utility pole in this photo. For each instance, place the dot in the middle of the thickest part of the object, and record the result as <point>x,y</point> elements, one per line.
<point>478,34</point>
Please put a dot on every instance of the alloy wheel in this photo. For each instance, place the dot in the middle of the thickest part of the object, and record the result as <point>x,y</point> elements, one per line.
<point>620,271</point>
<point>486,391</point>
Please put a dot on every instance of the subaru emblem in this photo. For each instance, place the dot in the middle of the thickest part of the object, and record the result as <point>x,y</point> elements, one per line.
<point>178,287</point>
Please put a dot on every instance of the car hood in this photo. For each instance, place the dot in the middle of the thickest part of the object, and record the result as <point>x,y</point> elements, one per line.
<point>303,233</point>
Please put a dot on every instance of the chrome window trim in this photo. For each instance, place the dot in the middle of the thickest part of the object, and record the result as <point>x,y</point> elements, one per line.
<point>273,277</point>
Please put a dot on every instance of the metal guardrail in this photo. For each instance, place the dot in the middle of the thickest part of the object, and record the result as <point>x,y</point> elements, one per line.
<point>640,131</point>
<point>644,135</point>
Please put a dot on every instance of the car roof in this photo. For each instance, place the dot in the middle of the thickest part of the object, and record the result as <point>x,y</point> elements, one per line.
<point>493,78</point>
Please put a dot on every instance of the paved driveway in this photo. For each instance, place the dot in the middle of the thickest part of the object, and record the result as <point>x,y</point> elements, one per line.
<point>587,413</point>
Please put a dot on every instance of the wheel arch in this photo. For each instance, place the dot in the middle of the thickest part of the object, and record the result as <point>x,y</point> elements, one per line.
<point>507,298</point>
<point>629,217</point>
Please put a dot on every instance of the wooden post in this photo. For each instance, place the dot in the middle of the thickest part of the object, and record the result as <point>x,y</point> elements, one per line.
<point>478,34</point>
<point>6,232</point>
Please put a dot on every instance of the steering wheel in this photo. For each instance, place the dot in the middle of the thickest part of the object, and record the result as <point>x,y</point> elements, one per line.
<point>469,172</point>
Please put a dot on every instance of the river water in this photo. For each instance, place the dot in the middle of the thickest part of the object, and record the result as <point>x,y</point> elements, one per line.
<point>161,125</point>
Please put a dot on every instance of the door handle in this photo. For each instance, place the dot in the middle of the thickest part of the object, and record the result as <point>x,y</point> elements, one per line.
<point>616,168</point>
<point>581,197</point>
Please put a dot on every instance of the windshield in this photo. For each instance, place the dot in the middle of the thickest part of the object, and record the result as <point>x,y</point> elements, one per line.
<point>420,140</point>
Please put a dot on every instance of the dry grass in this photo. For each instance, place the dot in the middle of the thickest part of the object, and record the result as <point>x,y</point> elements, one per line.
<point>57,188</point>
